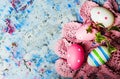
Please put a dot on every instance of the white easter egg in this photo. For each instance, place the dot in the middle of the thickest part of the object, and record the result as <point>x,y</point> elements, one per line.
<point>102,15</point>
<point>98,56</point>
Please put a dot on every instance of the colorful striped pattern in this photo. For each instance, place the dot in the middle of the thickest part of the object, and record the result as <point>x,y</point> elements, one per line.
<point>98,56</point>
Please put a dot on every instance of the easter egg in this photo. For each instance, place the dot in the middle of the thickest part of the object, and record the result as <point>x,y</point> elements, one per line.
<point>75,56</point>
<point>82,34</point>
<point>102,15</point>
<point>98,56</point>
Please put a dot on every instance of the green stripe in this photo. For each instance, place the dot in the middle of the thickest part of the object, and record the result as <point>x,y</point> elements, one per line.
<point>99,57</point>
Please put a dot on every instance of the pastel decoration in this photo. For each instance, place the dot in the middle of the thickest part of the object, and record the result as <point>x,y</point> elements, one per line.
<point>81,34</point>
<point>75,56</point>
<point>98,56</point>
<point>102,15</point>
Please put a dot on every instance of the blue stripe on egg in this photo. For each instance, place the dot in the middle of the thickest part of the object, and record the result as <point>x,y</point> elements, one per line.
<point>90,61</point>
<point>103,52</point>
<point>94,60</point>
<point>98,56</point>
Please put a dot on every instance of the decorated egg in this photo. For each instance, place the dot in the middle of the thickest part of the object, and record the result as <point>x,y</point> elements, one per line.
<point>98,56</point>
<point>102,15</point>
<point>82,34</point>
<point>75,56</point>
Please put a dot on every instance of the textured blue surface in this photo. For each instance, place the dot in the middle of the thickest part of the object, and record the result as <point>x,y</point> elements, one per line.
<point>28,31</point>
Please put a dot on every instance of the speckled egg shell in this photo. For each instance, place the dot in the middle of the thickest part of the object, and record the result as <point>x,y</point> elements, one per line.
<point>102,15</point>
<point>75,56</point>
<point>98,56</point>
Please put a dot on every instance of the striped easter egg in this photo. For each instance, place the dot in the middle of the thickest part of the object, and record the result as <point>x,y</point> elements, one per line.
<point>98,56</point>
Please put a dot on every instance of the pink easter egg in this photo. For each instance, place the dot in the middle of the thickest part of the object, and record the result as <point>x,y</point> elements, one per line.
<point>75,56</point>
<point>82,34</point>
